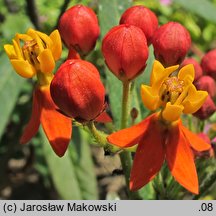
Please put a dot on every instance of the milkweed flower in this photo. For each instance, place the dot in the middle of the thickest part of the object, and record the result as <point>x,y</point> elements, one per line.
<point>162,136</point>
<point>38,53</point>
<point>35,53</point>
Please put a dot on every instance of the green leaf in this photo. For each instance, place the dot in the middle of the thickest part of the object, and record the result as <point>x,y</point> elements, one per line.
<point>83,163</point>
<point>62,172</point>
<point>203,8</point>
<point>10,87</point>
<point>73,174</point>
<point>109,14</point>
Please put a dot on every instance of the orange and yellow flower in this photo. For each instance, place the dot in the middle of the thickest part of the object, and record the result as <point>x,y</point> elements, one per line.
<point>38,53</point>
<point>35,53</point>
<point>162,136</point>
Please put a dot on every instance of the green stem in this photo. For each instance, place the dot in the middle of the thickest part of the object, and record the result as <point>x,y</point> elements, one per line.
<point>125,104</point>
<point>125,157</point>
<point>101,138</point>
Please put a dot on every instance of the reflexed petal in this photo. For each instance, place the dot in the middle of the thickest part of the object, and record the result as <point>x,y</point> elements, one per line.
<point>172,112</point>
<point>180,160</point>
<point>57,45</point>
<point>149,156</point>
<point>9,49</point>
<point>196,142</point>
<point>23,68</point>
<point>194,100</point>
<point>32,127</point>
<point>47,62</point>
<point>130,136</point>
<point>104,118</point>
<point>150,100</point>
<point>187,70</point>
<point>57,127</point>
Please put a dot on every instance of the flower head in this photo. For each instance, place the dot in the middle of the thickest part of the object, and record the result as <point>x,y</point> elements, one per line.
<point>162,135</point>
<point>171,43</point>
<point>176,94</point>
<point>33,52</point>
<point>143,18</point>
<point>125,51</point>
<point>79,28</point>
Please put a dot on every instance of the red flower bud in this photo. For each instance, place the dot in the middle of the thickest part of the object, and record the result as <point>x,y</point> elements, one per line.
<point>197,67</point>
<point>79,29</point>
<point>171,43</point>
<point>208,84</point>
<point>77,90</point>
<point>208,63</point>
<point>143,18</point>
<point>207,109</point>
<point>125,51</point>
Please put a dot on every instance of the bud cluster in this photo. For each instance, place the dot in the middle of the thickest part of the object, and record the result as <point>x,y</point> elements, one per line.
<point>77,88</point>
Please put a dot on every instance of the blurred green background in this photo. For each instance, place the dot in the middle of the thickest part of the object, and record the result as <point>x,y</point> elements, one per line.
<point>33,171</point>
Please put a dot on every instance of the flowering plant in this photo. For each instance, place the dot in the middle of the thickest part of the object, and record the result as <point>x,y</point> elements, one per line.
<point>132,92</point>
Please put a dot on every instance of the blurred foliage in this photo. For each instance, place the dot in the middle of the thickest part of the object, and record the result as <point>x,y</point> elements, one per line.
<point>73,176</point>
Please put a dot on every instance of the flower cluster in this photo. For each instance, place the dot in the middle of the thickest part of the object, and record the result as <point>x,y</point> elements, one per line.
<point>176,95</point>
<point>76,91</point>
<point>35,53</point>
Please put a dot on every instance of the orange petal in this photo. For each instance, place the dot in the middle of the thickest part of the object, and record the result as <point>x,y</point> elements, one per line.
<point>34,122</point>
<point>104,118</point>
<point>130,136</point>
<point>57,127</point>
<point>196,142</point>
<point>149,157</point>
<point>180,160</point>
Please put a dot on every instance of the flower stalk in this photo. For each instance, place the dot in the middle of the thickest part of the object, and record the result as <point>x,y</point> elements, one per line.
<point>101,138</point>
<point>125,156</point>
